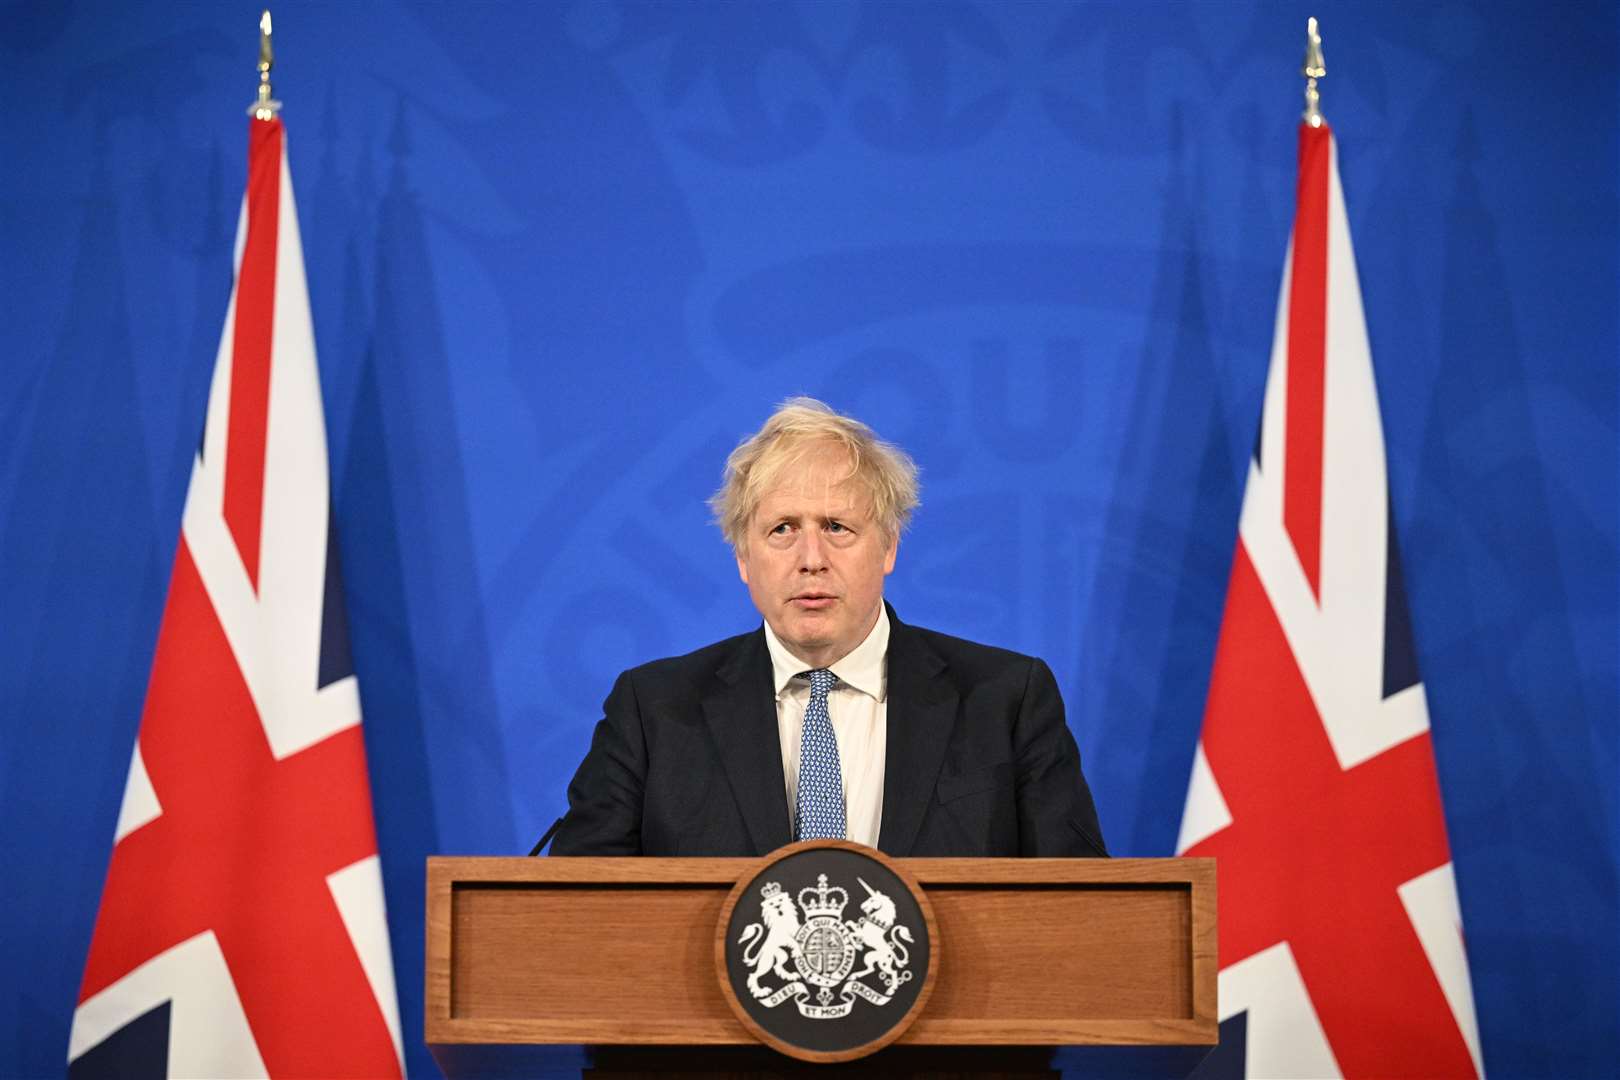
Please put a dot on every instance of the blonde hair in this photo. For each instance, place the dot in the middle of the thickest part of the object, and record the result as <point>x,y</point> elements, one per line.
<point>801,425</point>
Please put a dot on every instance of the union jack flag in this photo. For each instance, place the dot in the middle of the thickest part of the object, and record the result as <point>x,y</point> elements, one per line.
<point>241,929</point>
<point>1314,781</point>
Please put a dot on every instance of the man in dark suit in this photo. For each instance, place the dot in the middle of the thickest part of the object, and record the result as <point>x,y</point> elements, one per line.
<point>834,718</point>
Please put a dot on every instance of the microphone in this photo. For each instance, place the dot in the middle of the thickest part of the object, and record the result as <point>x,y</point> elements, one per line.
<point>546,839</point>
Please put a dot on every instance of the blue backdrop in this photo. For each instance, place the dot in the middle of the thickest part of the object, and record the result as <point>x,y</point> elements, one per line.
<point>562,255</point>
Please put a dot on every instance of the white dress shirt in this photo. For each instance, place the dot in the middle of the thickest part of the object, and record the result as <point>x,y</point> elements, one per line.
<point>858,708</point>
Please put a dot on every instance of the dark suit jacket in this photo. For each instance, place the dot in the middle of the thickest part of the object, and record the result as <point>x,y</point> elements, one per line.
<point>687,760</point>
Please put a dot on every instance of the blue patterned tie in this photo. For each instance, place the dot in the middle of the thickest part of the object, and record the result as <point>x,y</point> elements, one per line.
<point>821,781</point>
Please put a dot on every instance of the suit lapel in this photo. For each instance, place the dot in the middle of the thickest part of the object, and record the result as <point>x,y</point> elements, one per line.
<point>741,713</point>
<point>921,713</point>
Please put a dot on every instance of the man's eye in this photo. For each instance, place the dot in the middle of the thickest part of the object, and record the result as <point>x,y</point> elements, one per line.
<point>780,529</point>
<point>836,527</point>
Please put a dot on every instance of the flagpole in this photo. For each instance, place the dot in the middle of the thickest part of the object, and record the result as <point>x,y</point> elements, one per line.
<point>264,106</point>
<point>1314,68</point>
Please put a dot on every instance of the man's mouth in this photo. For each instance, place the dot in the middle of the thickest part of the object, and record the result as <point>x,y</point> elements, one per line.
<point>813,601</point>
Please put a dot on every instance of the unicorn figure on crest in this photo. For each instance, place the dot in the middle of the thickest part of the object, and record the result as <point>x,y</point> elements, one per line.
<point>877,934</point>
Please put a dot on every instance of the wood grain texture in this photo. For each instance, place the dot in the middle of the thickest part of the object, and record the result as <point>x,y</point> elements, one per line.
<point>1030,951</point>
<point>1063,952</point>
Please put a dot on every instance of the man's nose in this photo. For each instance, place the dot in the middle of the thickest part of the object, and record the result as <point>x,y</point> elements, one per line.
<point>812,552</point>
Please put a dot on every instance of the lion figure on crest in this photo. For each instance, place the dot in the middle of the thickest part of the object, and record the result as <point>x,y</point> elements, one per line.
<point>881,939</point>
<point>767,948</point>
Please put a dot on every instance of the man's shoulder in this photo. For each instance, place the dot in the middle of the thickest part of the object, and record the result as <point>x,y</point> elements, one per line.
<point>697,666</point>
<point>971,658</point>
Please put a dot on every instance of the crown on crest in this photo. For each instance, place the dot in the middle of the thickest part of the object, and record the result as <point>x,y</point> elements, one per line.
<point>770,889</point>
<point>823,901</point>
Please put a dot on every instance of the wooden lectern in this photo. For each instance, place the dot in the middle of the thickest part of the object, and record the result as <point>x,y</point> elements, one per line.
<point>550,964</point>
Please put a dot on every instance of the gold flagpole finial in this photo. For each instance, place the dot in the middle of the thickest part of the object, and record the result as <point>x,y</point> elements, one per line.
<point>1314,69</point>
<point>265,107</point>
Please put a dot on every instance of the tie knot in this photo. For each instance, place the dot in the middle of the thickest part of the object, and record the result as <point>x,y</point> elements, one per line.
<point>821,680</point>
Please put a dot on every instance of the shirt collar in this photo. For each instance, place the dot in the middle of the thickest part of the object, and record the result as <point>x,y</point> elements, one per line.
<point>864,669</point>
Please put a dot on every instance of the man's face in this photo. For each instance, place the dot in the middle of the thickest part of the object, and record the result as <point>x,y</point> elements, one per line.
<point>814,560</point>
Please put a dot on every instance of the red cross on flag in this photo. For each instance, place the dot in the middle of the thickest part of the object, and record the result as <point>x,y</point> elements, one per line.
<point>241,929</point>
<point>1314,783</point>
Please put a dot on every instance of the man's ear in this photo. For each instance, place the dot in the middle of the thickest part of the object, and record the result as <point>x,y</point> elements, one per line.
<point>742,567</point>
<point>894,549</point>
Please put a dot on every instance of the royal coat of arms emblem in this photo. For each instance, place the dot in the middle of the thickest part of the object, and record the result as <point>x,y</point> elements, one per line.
<point>807,953</point>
